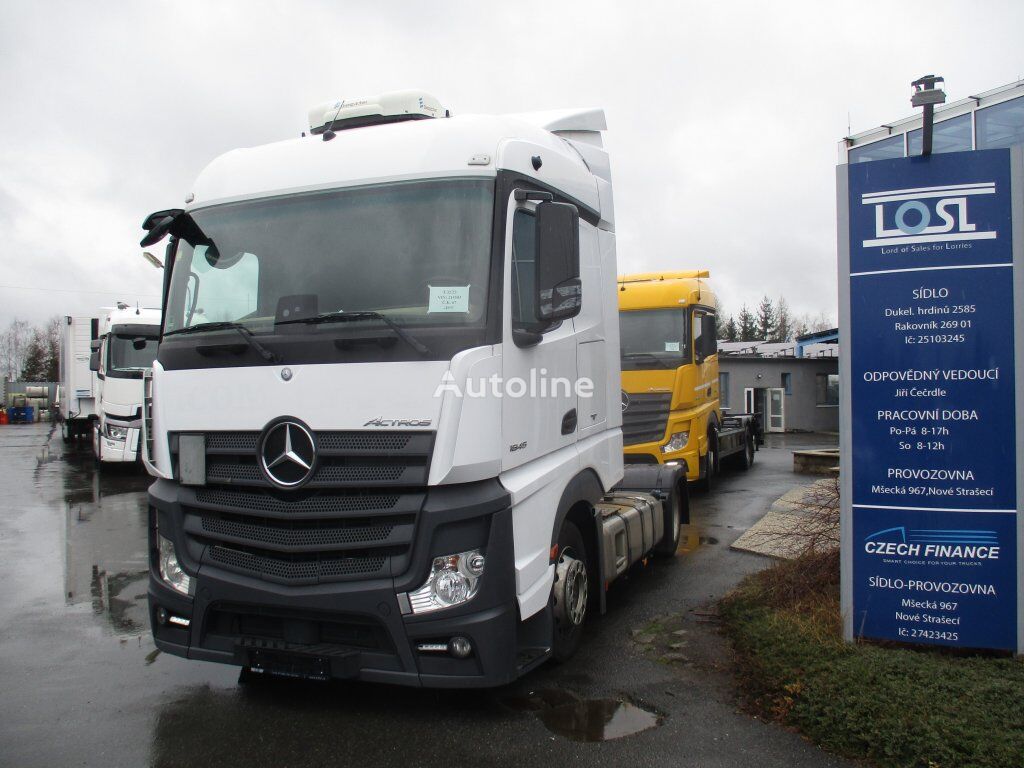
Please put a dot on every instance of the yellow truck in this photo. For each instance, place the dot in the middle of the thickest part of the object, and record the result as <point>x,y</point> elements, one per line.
<point>671,410</point>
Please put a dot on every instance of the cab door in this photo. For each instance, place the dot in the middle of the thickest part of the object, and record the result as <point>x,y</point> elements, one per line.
<point>539,360</point>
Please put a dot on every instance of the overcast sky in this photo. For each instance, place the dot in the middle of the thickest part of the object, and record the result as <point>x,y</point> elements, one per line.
<point>723,117</point>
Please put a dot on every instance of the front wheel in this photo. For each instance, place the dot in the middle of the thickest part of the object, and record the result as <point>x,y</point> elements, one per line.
<point>710,462</point>
<point>570,594</point>
<point>674,507</point>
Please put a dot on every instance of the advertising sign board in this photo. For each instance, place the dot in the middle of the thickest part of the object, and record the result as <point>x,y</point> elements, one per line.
<point>930,451</point>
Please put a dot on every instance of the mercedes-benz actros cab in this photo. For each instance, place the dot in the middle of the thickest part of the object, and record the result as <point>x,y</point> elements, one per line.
<point>384,417</point>
<point>123,352</point>
<point>671,406</point>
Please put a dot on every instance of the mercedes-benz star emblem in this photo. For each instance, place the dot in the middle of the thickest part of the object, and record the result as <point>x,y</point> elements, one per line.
<point>288,454</point>
<point>625,401</point>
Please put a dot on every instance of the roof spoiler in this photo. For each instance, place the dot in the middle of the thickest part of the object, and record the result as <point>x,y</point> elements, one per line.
<point>650,277</point>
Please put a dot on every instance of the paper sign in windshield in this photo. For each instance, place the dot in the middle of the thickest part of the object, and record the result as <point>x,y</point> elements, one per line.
<point>671,346</point>
<point>449,298</point>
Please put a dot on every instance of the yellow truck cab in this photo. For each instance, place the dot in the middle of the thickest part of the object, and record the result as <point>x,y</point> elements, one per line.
<point>670,398</point>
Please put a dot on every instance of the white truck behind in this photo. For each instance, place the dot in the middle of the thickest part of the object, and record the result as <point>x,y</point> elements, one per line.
<point>123,352</point>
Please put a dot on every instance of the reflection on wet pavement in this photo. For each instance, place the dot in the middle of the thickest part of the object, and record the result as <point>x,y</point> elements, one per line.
<point>565,713</point>
<point>84,684</point>
<point>691,538</point>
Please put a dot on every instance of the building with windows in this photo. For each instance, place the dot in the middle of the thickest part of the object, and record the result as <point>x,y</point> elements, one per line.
<point>792,386</point>
<point>989,120</point>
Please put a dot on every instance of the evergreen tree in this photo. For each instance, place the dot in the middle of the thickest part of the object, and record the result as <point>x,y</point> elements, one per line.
<point>53,331</point>
<point>766,319</point>
<point>36,363</point>
<point>728,330</point>
<point>747,325</point>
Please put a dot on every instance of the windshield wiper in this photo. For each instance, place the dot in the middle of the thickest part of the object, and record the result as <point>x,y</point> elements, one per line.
<point>647,355</point>
<point>344,317</point>
<point>228,325</point>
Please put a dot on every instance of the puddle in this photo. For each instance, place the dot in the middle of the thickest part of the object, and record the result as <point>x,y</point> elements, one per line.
<point>568,715</point>
<point>691,539</point>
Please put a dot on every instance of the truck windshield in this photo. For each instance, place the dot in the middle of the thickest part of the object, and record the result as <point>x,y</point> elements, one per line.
<point>654,338</point>
<point>417,252</point>
<point>124,360</point>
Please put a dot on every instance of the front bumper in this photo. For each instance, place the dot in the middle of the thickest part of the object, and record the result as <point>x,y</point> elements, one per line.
<point>650,453</point>
<point>352,629</point>
<point>122,451</point>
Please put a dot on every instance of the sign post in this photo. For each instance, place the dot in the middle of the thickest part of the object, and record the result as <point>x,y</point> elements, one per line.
<point>931,271</point>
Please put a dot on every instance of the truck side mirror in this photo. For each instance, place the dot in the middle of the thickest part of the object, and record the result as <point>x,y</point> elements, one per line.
<point>558,285</point>
<point>94,361</point>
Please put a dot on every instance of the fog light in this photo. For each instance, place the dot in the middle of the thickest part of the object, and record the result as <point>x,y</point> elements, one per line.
<point>676,442</point>
<point>170,569</point>
<point>161,616</point>
<point>460,647</point>
<point>453,580</point>
<point>115,433</point>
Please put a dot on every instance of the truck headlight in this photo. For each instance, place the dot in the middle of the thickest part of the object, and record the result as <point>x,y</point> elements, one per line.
<point>676,442</point>
<point>170,568</point>
<point>115,432</point>
<point>453,580</point>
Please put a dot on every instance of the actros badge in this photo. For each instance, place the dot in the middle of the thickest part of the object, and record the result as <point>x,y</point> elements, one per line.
<point>288,453</point>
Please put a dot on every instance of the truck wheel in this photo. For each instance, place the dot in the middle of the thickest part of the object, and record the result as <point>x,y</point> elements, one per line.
<point>673,510</point>
<point>97,448</point>
<point>746,459</point>
<point>570,593</point>
<point>710,462</point>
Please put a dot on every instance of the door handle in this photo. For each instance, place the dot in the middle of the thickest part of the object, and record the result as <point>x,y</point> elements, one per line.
<point>569,422</point>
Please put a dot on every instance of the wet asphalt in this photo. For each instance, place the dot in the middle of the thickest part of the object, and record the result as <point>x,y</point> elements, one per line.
<point>81,682</point>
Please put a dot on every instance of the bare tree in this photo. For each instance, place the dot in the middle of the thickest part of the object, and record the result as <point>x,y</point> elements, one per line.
<point>13,348</point>
<point>783,321</point>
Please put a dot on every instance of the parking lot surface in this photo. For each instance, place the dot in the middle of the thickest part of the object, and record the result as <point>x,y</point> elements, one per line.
<point>83,684</point>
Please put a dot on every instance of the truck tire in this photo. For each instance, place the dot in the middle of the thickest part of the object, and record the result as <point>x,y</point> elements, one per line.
<point>674,508</point>
<point>570,594</point>
<point>746,459</point>
<point>710,462</point>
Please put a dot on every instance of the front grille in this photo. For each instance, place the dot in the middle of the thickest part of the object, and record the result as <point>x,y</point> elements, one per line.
<point>299,569</point>
<point>645,419</point>
<point>265,503</point>
<point>354,519</point>
<point>313,534</point>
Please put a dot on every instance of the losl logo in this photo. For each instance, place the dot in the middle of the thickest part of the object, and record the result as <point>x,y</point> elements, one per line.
<point>925,214</point>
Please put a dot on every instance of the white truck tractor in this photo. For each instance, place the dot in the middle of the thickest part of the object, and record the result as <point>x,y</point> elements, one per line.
<point>384,418</point>
<point>122,353</point>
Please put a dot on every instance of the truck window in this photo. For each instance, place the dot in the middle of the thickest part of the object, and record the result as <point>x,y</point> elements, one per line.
<point>524,253</point>
<point>417,251</point>
<point>124,360</point>
<point>653,338</point>
<point>705,334</point>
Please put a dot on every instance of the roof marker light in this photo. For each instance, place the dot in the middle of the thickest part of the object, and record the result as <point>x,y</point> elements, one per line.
<point>391,107</point>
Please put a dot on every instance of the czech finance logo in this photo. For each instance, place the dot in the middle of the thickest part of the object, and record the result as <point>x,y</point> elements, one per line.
<point>288,453</point>
<point>933,543</point>
<point>925,214</point>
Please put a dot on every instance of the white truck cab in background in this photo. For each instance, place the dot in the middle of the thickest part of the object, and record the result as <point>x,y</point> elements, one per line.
<point>122,353</point>
<point>385,414</point>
